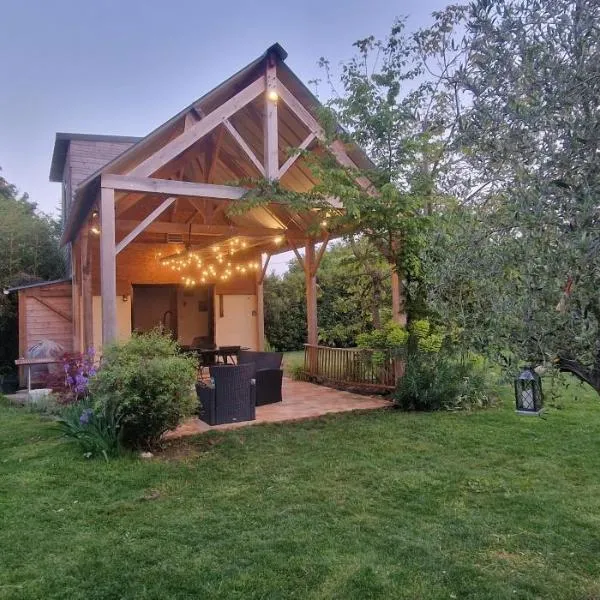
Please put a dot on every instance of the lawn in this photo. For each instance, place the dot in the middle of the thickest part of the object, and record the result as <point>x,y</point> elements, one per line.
<point>293,359</point>
<point>487,505</point>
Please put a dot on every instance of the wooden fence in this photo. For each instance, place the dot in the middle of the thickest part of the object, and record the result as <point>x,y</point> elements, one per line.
<point>351,366</point>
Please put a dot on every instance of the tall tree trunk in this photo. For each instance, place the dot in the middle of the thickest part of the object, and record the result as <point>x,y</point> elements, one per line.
<point>398,299</point>
<point>376,302</point>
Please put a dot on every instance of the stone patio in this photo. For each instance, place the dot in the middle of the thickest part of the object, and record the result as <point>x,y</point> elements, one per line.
<point>301,400</point>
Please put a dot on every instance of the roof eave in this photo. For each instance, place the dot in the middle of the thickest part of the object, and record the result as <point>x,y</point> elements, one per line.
<point>27,286</point>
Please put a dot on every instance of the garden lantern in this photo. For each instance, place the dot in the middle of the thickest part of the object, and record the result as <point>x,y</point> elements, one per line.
<point>528,392</point>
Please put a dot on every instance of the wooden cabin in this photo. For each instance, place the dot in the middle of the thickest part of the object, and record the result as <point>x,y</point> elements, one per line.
<point>147,223</point>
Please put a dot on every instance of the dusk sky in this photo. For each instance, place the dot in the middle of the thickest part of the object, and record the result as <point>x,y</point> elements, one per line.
<point>124,66</point>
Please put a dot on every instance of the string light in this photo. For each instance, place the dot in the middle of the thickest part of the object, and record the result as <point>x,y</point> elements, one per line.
<point>195,269</point>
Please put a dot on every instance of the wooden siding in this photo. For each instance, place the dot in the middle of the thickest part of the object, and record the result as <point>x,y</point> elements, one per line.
<point>87,156</point>
<point>45,313</point>
<point>84,157</point>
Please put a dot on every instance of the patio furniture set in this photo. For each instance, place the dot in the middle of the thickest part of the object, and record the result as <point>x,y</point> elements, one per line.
<point>235,390</point>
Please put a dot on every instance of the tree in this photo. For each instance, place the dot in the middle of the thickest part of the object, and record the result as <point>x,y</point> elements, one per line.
<point>531,280</point>
<point>399,100</point>
<point>352,295</point>
<point>285,310</point>
<point>29,246</point>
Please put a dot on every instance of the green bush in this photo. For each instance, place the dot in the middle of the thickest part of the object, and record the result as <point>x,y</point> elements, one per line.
<point>150,383</point>
<point>437,381</point>
<point>391,337</point>
<point>97,433</point>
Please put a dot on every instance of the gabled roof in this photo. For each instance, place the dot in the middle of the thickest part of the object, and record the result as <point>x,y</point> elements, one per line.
<point>61,146</point>
<point>86,192</point>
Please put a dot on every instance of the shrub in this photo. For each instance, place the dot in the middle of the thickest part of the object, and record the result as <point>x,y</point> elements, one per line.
<point>97,433</point>
<point>391,337</point>
<point>151,384</point>
<point>437,381</point>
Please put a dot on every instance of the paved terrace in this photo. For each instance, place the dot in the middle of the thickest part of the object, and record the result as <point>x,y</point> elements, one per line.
<point>301,400</point>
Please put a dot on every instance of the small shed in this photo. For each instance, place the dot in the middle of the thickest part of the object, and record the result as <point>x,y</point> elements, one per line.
<point>45,313</point>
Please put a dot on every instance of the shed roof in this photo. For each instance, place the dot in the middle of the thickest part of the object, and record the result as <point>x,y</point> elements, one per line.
<point>37,284</point>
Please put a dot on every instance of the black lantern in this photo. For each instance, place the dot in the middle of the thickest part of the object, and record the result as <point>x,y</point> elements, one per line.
<point>528,392</point>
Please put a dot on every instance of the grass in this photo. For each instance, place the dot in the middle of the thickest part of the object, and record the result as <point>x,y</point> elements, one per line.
<point>486,505</point>
<point>292,359</point>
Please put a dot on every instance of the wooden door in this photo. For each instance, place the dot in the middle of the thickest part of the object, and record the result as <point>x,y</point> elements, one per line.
<point>154,306</point>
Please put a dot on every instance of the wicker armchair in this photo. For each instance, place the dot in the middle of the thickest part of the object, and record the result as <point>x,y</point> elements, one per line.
<point>267,373</point>
<point>232,397</point>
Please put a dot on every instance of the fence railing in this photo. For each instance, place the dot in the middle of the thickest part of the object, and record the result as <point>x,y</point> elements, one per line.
<point>354,366</point>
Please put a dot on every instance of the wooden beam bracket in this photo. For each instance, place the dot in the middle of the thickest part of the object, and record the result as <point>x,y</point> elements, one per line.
<point>244,146</point>
<point>298,256</point>
<point>294,157</point>
<point>264,270</point>
<point>144,224</point>
<point>320,254</point>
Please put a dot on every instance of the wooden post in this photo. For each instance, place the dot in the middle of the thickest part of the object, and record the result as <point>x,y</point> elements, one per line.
<point>271,136</point>
<point>86,290</point>
<point>23,337</point>
<point>75,289</point>
<point>260,303</point>
<point>271,172</point>
<point>260,313</point>
<point>310,278</point>
<point>108,266</point>
<point>398,312</point>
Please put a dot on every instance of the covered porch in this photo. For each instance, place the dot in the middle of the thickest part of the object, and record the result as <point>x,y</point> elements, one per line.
<point>154,239</point>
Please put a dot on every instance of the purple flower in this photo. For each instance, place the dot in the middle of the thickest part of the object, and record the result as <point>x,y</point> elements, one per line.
<point>86,416</point>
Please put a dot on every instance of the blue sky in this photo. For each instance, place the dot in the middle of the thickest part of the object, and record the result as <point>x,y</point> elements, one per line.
<point>125,66</point>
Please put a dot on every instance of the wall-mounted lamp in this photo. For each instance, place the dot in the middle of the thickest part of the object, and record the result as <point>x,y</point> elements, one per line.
<point>273,95</point>
<point>94,225</point>
<point>125,298</point>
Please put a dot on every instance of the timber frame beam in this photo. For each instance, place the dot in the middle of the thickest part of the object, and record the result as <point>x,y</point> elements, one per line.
<point>207,230</point>
<point>336,148</point>
<point>172,187</point>
<point>198,130</point>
